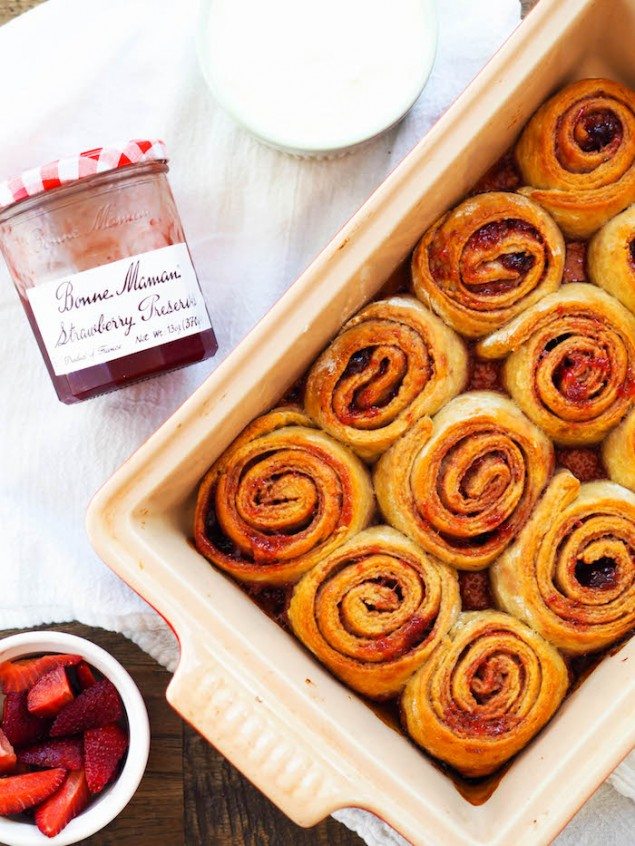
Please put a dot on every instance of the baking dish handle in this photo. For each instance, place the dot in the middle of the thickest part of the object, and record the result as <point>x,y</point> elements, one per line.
<point>256,739</point>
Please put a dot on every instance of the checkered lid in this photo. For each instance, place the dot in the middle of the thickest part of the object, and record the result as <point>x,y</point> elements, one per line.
<point>37,180</point>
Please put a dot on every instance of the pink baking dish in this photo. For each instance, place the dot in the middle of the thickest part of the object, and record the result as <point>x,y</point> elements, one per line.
<point>309,743</point>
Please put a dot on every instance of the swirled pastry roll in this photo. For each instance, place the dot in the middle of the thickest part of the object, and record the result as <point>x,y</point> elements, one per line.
<point>611,258</point>
<point>484,262</point>
<point>571,574</point>
<point>374,609</point>
<point>392,363</point>
<point>618,452</point>
<point>577,155</point>
<point>487,689</point>
<point>281,498</point>
<point>463,485</point>
<point>571,363</point>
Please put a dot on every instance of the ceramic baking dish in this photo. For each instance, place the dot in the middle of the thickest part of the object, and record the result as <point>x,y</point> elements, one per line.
<point>304,739</point>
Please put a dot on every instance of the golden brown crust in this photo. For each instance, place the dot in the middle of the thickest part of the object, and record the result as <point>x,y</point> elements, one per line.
<point>374,609</point>
<point>487,689</point>
<point>611,258</point>
<point>468,479</point>
<point>571,574</point>
<point>618,452</point>
<point>391,364</point>
<point>279,499</point>
<point>484,262</point>
<point>571,364</point>
<point>461,486</point>
<point>577,155</point>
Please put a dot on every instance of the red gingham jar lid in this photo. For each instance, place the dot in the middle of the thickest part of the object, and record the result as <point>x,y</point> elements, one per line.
<point>44,178</point>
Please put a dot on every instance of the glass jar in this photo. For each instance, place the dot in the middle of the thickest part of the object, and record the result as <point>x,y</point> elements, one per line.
<point>96,250</point>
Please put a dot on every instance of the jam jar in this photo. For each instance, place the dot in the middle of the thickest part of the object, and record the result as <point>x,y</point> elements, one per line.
<point>96,250</point>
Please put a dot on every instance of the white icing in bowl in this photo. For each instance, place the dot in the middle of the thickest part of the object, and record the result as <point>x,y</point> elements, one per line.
<point>317,77</point>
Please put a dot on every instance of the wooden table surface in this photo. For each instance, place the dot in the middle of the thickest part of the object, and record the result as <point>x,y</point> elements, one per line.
<point>190,795</point>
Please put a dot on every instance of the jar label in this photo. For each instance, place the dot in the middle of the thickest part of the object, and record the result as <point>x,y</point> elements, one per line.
<point>120,308</point>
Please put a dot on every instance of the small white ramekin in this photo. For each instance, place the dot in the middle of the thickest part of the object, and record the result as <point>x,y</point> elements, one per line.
<point>108,804</point>
<point>279,138</point>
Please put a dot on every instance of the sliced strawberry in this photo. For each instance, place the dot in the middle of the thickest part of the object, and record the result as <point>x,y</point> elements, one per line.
<point>69,801</point>
<point>85,676</point>
<point>103,749</point>
<point>16,676</point>
<point>8,758</point>
<point>50,694</point>
<point>97,706</point>
<point>19,725</point>
<point>19,792</point>
<point>65,753</point>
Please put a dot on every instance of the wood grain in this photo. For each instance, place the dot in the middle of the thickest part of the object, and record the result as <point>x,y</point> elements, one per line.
<point>190,795</point>
<point>222,807</point>
<point>12,8</point>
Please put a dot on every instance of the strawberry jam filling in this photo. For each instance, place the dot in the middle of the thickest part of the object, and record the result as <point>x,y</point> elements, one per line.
<point>520,263</point>
<point>485,376</point>
<point>585,463</point>
<point>492,233</point>
<point>475,590</point>
<point>575,262</point>
<point>413,633</point>
<point>504,175</point>
<point>365,398</point>
<point>581,375</point>
<point>217,537</point>
<point>599,575</point>
<point>517,262</point>
<point>385,377</point>
<point>597,130</point>
<point>486,240</point>
<point>488,680</point>
<point>358,362</point>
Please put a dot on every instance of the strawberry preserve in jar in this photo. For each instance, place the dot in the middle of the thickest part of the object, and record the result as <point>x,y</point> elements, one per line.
<point>96,250</point>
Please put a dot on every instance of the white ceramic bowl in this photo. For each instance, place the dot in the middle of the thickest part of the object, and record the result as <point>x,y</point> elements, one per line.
<point>116,796</point>
<point>285,130</point>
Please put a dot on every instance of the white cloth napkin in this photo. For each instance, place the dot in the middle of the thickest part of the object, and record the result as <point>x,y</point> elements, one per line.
<point>80,73</point>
